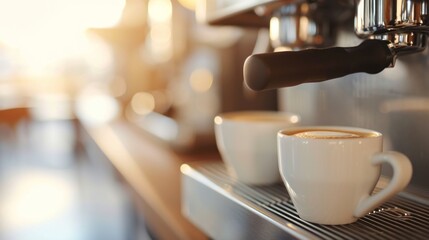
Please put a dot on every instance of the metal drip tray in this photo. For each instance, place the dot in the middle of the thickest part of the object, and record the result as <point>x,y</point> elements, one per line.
<point>227,209</point>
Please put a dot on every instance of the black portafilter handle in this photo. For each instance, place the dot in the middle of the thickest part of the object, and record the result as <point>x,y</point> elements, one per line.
<point>285,69</point>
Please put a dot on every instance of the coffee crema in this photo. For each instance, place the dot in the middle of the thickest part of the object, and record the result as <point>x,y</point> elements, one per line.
<point>331,134</point>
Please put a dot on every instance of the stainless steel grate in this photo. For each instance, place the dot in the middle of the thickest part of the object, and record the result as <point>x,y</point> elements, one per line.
<point>400,218</point>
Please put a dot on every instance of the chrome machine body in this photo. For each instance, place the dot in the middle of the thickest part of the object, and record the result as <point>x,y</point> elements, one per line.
<point>392,98</point>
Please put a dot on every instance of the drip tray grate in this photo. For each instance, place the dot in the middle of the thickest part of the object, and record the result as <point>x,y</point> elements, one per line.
<point>239,211</point>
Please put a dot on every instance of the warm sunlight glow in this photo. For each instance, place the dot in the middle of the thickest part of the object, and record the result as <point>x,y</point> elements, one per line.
<point>96,108</point>
<point>159,11</point>
<point>201,80</point>
<point>294,119</point>
<point>143,103</point>
<point>32,198</point>
<point>160,45</point>
<point>44,32</point>
<point>189,4</point>
<point>274,28</point>
<point>218,120</point>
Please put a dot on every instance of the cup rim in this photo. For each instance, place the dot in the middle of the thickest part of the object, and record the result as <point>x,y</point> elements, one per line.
<point>375,134</point>
<point>235,116</point>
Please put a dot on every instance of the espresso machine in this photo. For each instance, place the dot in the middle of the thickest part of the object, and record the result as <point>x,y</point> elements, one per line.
<point>360,63</point>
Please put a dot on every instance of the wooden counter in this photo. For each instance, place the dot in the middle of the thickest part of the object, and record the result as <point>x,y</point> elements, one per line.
<point>152,171</point>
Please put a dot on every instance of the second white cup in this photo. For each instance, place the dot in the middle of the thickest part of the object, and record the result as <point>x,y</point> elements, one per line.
<point>247,143</point>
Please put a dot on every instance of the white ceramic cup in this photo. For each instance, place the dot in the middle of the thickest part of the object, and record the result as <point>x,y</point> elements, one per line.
<point>330,172</point>
<point>246,141</point>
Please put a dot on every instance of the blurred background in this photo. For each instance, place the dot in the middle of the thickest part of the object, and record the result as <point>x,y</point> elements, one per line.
<point>64,64</point>
<point>102,101</point>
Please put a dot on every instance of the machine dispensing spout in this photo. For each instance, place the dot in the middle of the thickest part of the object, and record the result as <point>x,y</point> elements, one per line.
<point>285,69</point>
<point>391,27</point>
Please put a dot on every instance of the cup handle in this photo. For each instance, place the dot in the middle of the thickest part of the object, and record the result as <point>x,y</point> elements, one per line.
<point>402,172</point>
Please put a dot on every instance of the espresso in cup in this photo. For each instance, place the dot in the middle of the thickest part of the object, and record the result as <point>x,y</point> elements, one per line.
<point>328,134</point>
<point>330,172</point>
